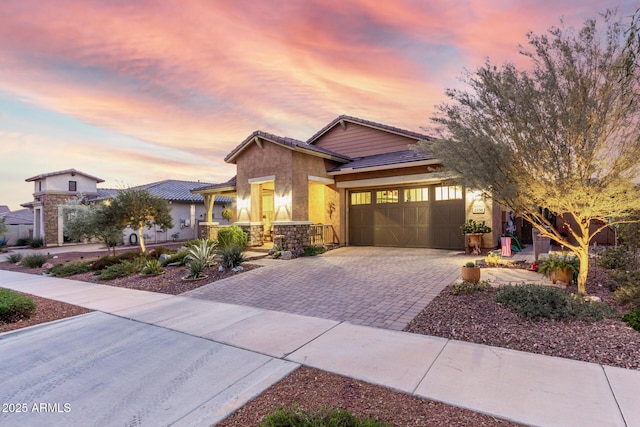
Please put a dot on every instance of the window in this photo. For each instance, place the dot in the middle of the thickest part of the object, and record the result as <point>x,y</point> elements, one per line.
<point>449,192</point>
<point>361,198</point>
<point>387,196</point>
<point>73,185</point>
<point>416,194</point>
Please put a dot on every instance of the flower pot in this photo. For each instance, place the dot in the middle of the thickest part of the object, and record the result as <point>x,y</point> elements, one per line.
<point>471,274</point>
<point>561,275</point>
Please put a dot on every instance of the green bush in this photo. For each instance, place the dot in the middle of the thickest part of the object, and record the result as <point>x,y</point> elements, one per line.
<point>34,260</point>
<point>615,258</point>
<point>108,260</point>
<point>536,302</point>
<point>152,267</point>
<point>14,258</point>
<point>232,236</point>
<point>178,257</point>
<point>467,288</point>
<point>553,263</point>
<point>627,287</point>
<point>23,241</point>
<point>321,417</point>
<point>14,306</point>
<point>633,319</point>
<point>66,270</point>
<point>38,242</point>
<point>123,269</point>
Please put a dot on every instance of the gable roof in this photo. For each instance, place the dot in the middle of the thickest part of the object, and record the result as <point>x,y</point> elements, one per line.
<point>344,118</point>
<point>4,209</point>
<point>230,186</point>
<point>64,172</point>
<point>290,143</point>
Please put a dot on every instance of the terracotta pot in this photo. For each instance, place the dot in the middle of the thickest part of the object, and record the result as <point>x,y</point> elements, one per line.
<point>561,275</point>
<point>471,274</point>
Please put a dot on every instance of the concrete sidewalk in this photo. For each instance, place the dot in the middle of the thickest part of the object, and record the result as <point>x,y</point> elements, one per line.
<point>522,387</point>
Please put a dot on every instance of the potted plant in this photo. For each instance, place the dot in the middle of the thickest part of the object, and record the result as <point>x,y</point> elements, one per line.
<point>470,272</point>
<point>475,230</point>
<point>562,268</point>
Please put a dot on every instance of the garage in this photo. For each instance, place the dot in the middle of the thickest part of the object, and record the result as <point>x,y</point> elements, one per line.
<point>427,216</point>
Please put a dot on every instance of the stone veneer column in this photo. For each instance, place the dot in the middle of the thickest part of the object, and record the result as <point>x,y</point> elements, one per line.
<point>209,230</point>
<point>293,237</point>
<point>50,203</point>
<point>255,233</point>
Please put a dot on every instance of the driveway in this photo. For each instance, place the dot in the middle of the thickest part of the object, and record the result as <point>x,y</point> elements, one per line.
<point>369,286</point>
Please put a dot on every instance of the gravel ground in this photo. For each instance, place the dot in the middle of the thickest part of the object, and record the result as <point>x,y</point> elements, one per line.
<point>474,318</point>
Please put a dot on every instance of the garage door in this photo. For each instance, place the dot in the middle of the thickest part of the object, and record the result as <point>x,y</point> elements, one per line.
<point>426,217</point>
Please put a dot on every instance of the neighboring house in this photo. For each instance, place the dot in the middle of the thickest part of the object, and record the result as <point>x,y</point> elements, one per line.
<point>19,224</point>
<point>354,182</point>
<point>53,190</point>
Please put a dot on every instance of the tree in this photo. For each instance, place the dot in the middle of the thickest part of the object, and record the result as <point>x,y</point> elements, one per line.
<point>138,208</point>
<point>86,222</point>
<point>563,136</point>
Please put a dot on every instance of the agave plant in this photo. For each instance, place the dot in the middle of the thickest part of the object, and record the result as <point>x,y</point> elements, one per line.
<point>204,251</point>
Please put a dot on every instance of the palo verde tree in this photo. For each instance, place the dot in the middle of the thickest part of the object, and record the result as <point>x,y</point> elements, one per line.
<point>92,221</point>
<point>561,135</point>
<point>138,208</point>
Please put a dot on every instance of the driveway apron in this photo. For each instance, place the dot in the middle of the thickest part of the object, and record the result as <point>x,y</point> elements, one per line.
<point>369,286</point>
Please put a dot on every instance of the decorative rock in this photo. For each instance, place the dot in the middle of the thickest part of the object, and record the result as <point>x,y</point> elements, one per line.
<point>238,268</point>
<point>593,298</point>
<point>47,265</point>
<point>162,258</point>
<point>286,255</point>
<point>220,268</point>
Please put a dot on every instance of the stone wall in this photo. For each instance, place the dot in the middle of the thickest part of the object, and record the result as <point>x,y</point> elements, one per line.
<point>255,234</point>
<point>209,230</point>
<point>291,237</point>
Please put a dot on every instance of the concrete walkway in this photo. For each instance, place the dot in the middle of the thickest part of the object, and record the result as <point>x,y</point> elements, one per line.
<point>154,359</point>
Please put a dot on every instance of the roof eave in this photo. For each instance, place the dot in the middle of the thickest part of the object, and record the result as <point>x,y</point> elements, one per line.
<point>348,171</point>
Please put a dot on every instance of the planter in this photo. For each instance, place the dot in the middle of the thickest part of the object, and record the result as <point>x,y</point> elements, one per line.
<point>471,274</point>
<point>475,242</point>
<point>561,275</point>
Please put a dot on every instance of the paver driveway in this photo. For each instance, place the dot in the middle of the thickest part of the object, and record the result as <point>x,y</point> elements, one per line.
<point>379,287</point>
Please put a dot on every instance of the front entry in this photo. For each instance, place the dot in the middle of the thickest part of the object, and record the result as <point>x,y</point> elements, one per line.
<point>416,216</point>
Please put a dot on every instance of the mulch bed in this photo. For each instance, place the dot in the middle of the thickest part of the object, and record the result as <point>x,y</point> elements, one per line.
<point>46,311</point>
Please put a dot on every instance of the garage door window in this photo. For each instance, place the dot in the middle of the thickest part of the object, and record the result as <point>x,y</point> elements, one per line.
<point>362,198</point>
<point>387,196</point>
<point>416,194</point>
<point>449,192</point>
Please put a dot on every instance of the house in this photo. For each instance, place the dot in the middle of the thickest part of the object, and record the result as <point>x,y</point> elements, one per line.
<point>19,224</point>
<point>354,182</point>
<point>53,191</point>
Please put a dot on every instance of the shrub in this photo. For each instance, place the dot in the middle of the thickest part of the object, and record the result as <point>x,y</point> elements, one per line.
<point>23,241</point>
<point>108,260</point>
<point>123,269</point>
<point>3,241</point>
<point>466,287</point>
<point>14,306</point>
<point>633,319</point>
<point>14,258</point>
<point>615,258</point>
<point>34,260</point>
<point>553,263</point>
<point>313,251</point>
<point>296,417</point>
<point>62,270</point>
<point>627,287</point>
<point>37,242</point>
<point>152,267</point>
<point>231,256</point>
<point>196,269</point>
<point>232,236</point>
<point>536,302</point>
<point>178,257</point>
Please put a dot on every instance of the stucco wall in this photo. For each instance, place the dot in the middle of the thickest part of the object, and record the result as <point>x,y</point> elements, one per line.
<point>60,183</point>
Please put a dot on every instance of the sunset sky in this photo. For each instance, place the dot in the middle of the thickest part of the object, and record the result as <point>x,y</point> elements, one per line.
<point>140,91</point>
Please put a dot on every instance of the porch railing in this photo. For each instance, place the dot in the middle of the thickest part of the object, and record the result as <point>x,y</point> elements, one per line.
<point>323,234</point>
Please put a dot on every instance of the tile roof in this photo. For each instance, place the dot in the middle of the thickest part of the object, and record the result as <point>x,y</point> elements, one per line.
<point>64,172</point>
<point>291,143</point>
<point>21,216</point>
<point>4,209</point>
<point>377,160</point>
<point>368,123</point>
<point>169,189</point>
<point>230,183</point>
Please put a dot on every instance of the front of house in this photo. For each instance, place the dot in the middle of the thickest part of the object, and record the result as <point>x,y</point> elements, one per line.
<point>354,182</point>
